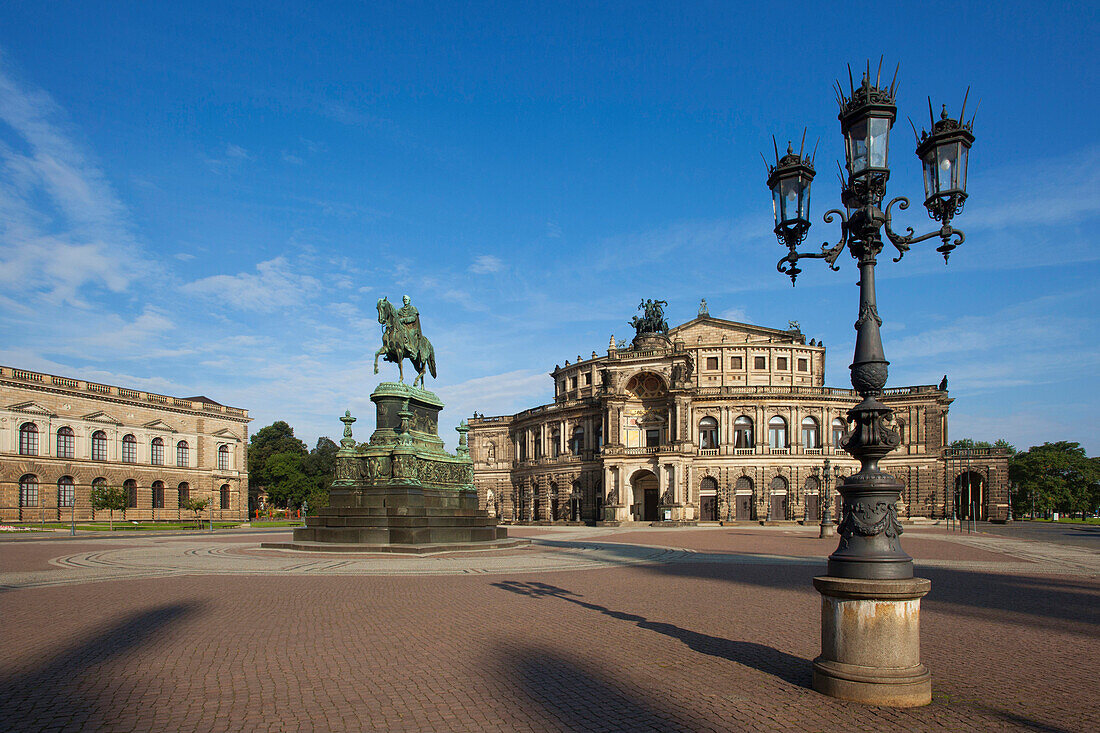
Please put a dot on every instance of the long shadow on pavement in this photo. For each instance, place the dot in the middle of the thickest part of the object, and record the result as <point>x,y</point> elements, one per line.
<point>71,690</point>
<point>786,667</point>
<point>575,698</point>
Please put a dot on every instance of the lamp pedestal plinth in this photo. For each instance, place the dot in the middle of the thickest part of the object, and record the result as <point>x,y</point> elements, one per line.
<point>870,641</point>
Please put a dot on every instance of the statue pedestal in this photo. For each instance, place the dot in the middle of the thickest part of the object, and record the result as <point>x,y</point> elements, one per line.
<point>870,641</point>
<point>401,492</point>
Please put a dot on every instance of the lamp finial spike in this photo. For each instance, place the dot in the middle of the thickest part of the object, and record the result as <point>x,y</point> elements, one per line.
<point>775,145</point>
<point>878,77</point>
<point>962,113</point>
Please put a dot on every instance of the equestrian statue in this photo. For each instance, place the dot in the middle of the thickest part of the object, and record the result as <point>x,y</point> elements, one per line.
<point>402,339</point>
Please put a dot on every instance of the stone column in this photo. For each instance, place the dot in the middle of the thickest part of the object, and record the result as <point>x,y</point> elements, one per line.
<point>870,641</point>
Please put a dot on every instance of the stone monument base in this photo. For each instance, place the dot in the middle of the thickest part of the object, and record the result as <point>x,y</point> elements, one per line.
<point>401,492</point>
<point>870,641</point>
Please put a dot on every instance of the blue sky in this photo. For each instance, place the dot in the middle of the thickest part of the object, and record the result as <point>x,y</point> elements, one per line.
<point>209,198</point>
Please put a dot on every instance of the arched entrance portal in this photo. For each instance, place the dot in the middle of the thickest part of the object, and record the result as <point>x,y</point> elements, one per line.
<point>645,488</point>
<point>970,496</point>
<point>708,500</point>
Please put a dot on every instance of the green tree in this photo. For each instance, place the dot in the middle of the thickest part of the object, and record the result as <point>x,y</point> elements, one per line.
<point>320,465</point>
<point>1057,477</point>
<point>269,441</point>
<point>1002,443</point>
<point>112,498</point>
<point>970,443</point>
<point>192,504</point>
<point>288,483</point>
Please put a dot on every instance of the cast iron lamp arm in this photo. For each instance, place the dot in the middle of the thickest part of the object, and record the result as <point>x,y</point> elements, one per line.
<point>903,242</point>
<point>788,265</point>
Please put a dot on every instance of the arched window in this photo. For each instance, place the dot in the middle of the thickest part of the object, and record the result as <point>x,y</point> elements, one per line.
<point>28,439</point>
<point>182,454</point>
<point>810,433</point>
<point>66,443</point>
<point>742,432</point>
<point>28,490</point>
<point>577,443</point>
<point>225,496</point>
<point>777,432</point>
<point>156,453</point>
<point>66,491</point>
<point>839,429</point>
<point>158,494</point>
<point>708,433</point>
<point>778,484</point>
<point>129,449</point>
<point>555,444</point>
<point>99,483</point>
<point>99,446</point>
<point>130,489</point>
<point>183,493</point>
<point>223,457</point>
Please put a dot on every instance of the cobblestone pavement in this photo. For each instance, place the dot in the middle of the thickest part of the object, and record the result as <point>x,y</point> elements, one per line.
<point>588,629</point>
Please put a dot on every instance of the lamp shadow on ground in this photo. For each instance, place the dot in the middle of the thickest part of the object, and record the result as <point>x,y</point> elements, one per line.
<point>1064,603</point>
<point>69,689</point>
<point>787,667</point>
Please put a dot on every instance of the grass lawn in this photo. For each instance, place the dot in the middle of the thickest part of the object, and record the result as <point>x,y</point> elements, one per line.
<point>122,526</point>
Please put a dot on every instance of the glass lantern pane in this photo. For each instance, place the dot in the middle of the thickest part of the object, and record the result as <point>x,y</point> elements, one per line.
<point>857,147</point>
<point>790,189</point>
<point>804,209</point>
<point>929,165</point>
<point>775,205</point>
<point>945,165</point>
<point>964,156</point>
<point>878,139</point>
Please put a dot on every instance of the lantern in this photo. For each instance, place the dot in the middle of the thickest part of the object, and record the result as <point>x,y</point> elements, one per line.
<point>789,181</point>
<point>944,154</point>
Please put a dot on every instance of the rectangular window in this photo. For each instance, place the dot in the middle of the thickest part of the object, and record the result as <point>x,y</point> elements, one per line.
<point>736,362</point>
<point>572,383</point>
<point>803,365</point>
<point>223,458</point>
<point>587,378</point>
<point>28,493</point>
<point>652,438</point>
<point>99,447</point>
<point>66,494</point>
<point>760,362</point>
<point>712,362</point>
<point>129,451</point>
<point>781,363</point>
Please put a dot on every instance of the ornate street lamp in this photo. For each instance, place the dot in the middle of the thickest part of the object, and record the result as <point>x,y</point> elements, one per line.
<point>869,566</point>
<point>828,526</point>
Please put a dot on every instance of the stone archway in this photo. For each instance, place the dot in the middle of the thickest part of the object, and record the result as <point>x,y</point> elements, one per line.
<point>708,499</point>
<point>970,498</point>
<point>644,487</point>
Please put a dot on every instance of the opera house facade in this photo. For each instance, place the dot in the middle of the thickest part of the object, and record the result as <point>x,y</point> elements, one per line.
<point>714,420</point>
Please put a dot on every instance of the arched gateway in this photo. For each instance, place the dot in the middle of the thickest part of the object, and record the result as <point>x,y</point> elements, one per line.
<point>644,486</point>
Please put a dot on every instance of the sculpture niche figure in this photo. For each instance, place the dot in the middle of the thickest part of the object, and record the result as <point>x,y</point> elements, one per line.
<point>402,339</point>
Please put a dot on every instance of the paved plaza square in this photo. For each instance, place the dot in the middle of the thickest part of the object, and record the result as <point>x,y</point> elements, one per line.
<point>687,629</point>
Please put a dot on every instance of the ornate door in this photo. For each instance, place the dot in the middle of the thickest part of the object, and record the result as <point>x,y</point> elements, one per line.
<point>708,508</point>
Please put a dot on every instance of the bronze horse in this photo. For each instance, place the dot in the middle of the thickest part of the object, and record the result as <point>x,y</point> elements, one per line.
<point>395,348</point>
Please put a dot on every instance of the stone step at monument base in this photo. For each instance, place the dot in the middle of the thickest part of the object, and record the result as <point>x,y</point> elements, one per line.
<point>412,534</point>
<point>398,520</point>
<point>426,548</point>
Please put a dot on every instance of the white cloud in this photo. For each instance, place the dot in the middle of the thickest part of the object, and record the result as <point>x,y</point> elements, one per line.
<point>485,264</point>
<point>62,228</point>
<point>274,285</point>
<point>236,151</point>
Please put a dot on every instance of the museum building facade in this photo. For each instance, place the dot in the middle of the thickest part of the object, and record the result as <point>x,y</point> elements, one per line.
<point>714,420</point>
<point>61,436</point>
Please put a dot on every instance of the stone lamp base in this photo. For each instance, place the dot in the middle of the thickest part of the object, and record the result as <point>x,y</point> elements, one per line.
<point>870,641</point>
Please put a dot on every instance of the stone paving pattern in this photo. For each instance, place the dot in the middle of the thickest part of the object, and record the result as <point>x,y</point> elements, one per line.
<point>686,630</point>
